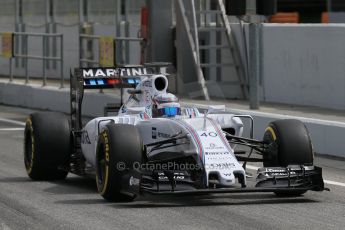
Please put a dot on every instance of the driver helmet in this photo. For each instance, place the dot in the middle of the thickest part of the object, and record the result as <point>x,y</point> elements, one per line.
<point>165,105</point>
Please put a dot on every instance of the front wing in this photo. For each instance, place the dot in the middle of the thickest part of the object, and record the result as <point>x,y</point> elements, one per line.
<point>290,179</point>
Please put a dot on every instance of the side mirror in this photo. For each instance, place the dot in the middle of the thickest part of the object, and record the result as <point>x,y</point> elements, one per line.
<point>216,109</point>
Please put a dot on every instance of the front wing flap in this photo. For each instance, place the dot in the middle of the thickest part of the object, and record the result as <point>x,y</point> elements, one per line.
<point>294,176</point>
<point>269,179</point>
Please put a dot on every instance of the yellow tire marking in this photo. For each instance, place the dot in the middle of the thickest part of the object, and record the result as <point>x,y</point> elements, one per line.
<point>270,129</point>
<point>29,168</point>
<point>107,158</point>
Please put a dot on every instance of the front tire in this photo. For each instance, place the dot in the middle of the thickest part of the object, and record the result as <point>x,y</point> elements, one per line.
<point>46,146</point>
<point>119,148</point>
<point>289,144</point>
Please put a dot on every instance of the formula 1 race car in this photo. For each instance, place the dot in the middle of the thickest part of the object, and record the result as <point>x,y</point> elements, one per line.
<point>154,146</point>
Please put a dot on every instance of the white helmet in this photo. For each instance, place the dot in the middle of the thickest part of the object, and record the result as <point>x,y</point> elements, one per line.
<point>165,105</point>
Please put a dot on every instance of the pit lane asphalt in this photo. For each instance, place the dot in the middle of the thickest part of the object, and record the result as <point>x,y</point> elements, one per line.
<point>75,204</point>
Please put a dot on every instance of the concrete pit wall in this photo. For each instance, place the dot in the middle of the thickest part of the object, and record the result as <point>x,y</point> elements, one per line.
<point>304,64</point>
<point>327,136</point>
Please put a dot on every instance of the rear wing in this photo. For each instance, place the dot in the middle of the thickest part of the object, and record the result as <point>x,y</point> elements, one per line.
<point>98,78</point>
<point>114,77</point>
<point>120,77</point>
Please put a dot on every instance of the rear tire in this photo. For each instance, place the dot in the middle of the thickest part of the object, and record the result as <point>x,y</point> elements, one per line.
<point>46,146</point>
<point>289,144</point>
<point>119,147</point>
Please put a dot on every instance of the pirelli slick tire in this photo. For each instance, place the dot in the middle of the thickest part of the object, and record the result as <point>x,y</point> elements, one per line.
<point>46,146</point>
<point>119,148</point>
<point>289,144</point>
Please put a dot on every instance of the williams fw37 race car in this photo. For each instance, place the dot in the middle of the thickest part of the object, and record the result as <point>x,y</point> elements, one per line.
<point>155,146</point>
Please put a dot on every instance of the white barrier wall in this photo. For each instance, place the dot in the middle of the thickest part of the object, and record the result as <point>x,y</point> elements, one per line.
<point>304,64</point>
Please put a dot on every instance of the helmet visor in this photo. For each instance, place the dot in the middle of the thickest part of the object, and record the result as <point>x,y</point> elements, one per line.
<point>170,111</point>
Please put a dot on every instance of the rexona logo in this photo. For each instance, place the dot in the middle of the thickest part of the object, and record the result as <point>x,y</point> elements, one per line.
<point>115,72</point>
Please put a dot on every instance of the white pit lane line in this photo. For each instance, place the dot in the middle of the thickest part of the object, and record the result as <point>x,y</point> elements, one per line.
<point>325,181</point>
<point>11,129</point>
<point>12,121</point>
